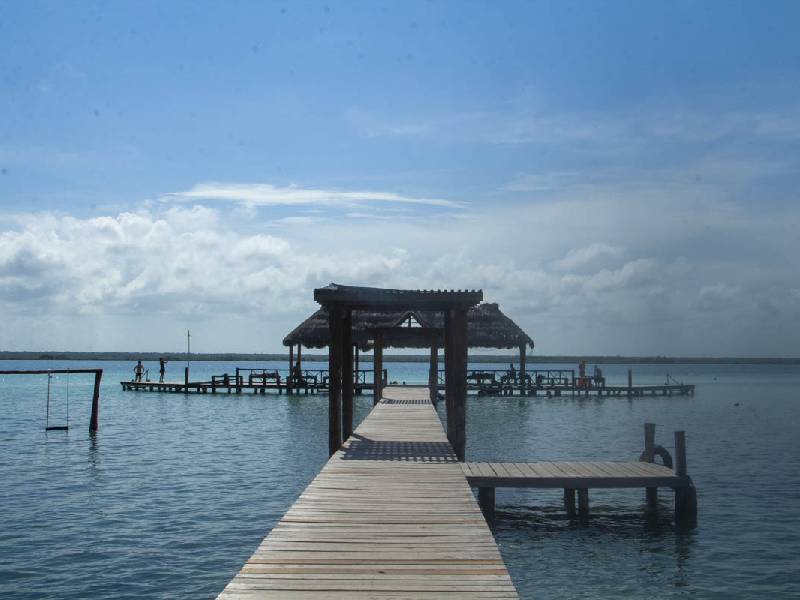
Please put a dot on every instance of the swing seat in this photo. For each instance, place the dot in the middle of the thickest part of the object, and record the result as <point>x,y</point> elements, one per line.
<point>57,428</point>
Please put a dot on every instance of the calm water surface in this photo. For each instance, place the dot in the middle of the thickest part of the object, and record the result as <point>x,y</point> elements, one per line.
<point>175,492</point>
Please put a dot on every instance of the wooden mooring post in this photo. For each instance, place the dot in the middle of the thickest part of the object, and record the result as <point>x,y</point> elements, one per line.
<point>686,496</point>
<point>649,450</point>
<point>94,420</point>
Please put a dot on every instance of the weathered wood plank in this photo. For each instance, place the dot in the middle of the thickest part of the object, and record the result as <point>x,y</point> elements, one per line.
<point>390,515</point>
<point>545,474</point>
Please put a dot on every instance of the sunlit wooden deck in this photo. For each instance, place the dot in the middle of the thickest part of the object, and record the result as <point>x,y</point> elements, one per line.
<point>391,515</point>
<point>573,475</point>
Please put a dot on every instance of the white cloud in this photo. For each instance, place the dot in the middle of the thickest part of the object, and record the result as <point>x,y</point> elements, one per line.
<point>265,194</point>
<point>662,276</point>
<point>588,256</point>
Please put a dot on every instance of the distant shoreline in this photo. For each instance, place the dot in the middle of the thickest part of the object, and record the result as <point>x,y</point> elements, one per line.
<point>477,358</point>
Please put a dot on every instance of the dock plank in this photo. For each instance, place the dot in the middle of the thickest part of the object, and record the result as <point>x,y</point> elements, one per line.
<point>391,515</point>
<point>546,474</point>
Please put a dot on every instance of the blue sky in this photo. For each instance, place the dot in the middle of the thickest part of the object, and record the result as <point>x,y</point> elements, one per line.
<point>621,176</point>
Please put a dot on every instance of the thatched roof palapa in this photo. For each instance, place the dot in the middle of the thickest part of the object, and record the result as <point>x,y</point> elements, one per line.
<point>487,327</point>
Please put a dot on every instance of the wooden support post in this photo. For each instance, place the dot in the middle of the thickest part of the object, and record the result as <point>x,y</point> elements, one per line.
<point>649,452</point>
<point>522,379</point>
<point>448,375</point>
<point>94,420</point>
<point>583,502</point>
<point>569,502</point>
<point>680,453</point>
<point>335,381</point>
<point>685,497</point>
<point>630,383</point>
<point>238,381</point>
<point>487,504</point>
<point>347,374</point>
<point>433,374</point>
<point>291,366</point>
<point>456,339</point>
<point>299,356</point>
<point>356,370</point>
<point>377,368</point>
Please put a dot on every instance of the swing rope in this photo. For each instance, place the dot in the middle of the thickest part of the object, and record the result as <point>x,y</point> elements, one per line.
<point>47,426</point>
<point>47,417</point>
<point>67,398</point>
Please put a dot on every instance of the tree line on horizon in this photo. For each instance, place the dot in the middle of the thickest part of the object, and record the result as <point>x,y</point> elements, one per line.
<point>477,358</point>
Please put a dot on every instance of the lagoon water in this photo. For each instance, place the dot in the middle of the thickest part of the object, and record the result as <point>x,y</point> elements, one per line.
<point>175,492</point>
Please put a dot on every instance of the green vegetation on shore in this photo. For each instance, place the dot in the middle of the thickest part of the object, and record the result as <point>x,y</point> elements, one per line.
<point>476,358</point>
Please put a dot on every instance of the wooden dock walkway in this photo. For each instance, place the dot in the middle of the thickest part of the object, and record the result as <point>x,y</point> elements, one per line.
<point>579,477</point>
<point>572,475</point>
<point>390,515</point>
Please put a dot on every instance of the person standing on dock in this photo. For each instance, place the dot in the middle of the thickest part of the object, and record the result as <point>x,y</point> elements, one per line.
<point>138,371</point>
<point>162,369</point>
<point>599,380</point>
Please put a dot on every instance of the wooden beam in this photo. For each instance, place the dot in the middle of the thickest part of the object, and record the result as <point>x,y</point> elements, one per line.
<point>457,417</point>
<point>433,374</point>
<point>291,370</point>
<point>448,375</point>
<point>347,374</point>
<point>335,381</point>
<point>377,366</point>
<point>522,366</point>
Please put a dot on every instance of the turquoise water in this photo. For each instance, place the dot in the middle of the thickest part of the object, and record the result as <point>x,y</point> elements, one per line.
<point>175,491</point>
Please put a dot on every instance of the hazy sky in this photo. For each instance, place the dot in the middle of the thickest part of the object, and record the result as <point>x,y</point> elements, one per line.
<point>622,177</point>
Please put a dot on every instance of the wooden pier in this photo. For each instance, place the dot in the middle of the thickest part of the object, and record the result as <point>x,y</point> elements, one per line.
<point>255,381</point>
<point>391,515</point>
<point>561,382</point>
<point>482,383</point>
<point>581,476</point>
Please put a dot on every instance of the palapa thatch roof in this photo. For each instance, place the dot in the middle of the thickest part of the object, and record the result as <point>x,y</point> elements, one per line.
<point>487,327</point>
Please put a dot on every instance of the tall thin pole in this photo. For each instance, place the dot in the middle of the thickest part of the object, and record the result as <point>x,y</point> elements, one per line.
<point>186,370</point>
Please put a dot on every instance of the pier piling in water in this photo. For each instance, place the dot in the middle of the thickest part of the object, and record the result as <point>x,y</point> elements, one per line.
<point>649,450</point>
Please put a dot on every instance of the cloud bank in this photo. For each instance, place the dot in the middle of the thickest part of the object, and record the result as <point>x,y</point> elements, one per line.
<point>607,275</point>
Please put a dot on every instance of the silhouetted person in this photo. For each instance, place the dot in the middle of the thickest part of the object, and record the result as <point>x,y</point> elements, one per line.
<point>297,374</point>
<point>512,372</point>
<point>138,371</point>
<point>162,369</point>
<point>599,380</point>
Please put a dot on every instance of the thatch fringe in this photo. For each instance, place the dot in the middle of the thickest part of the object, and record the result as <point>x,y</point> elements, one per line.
<point>487,327</point>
